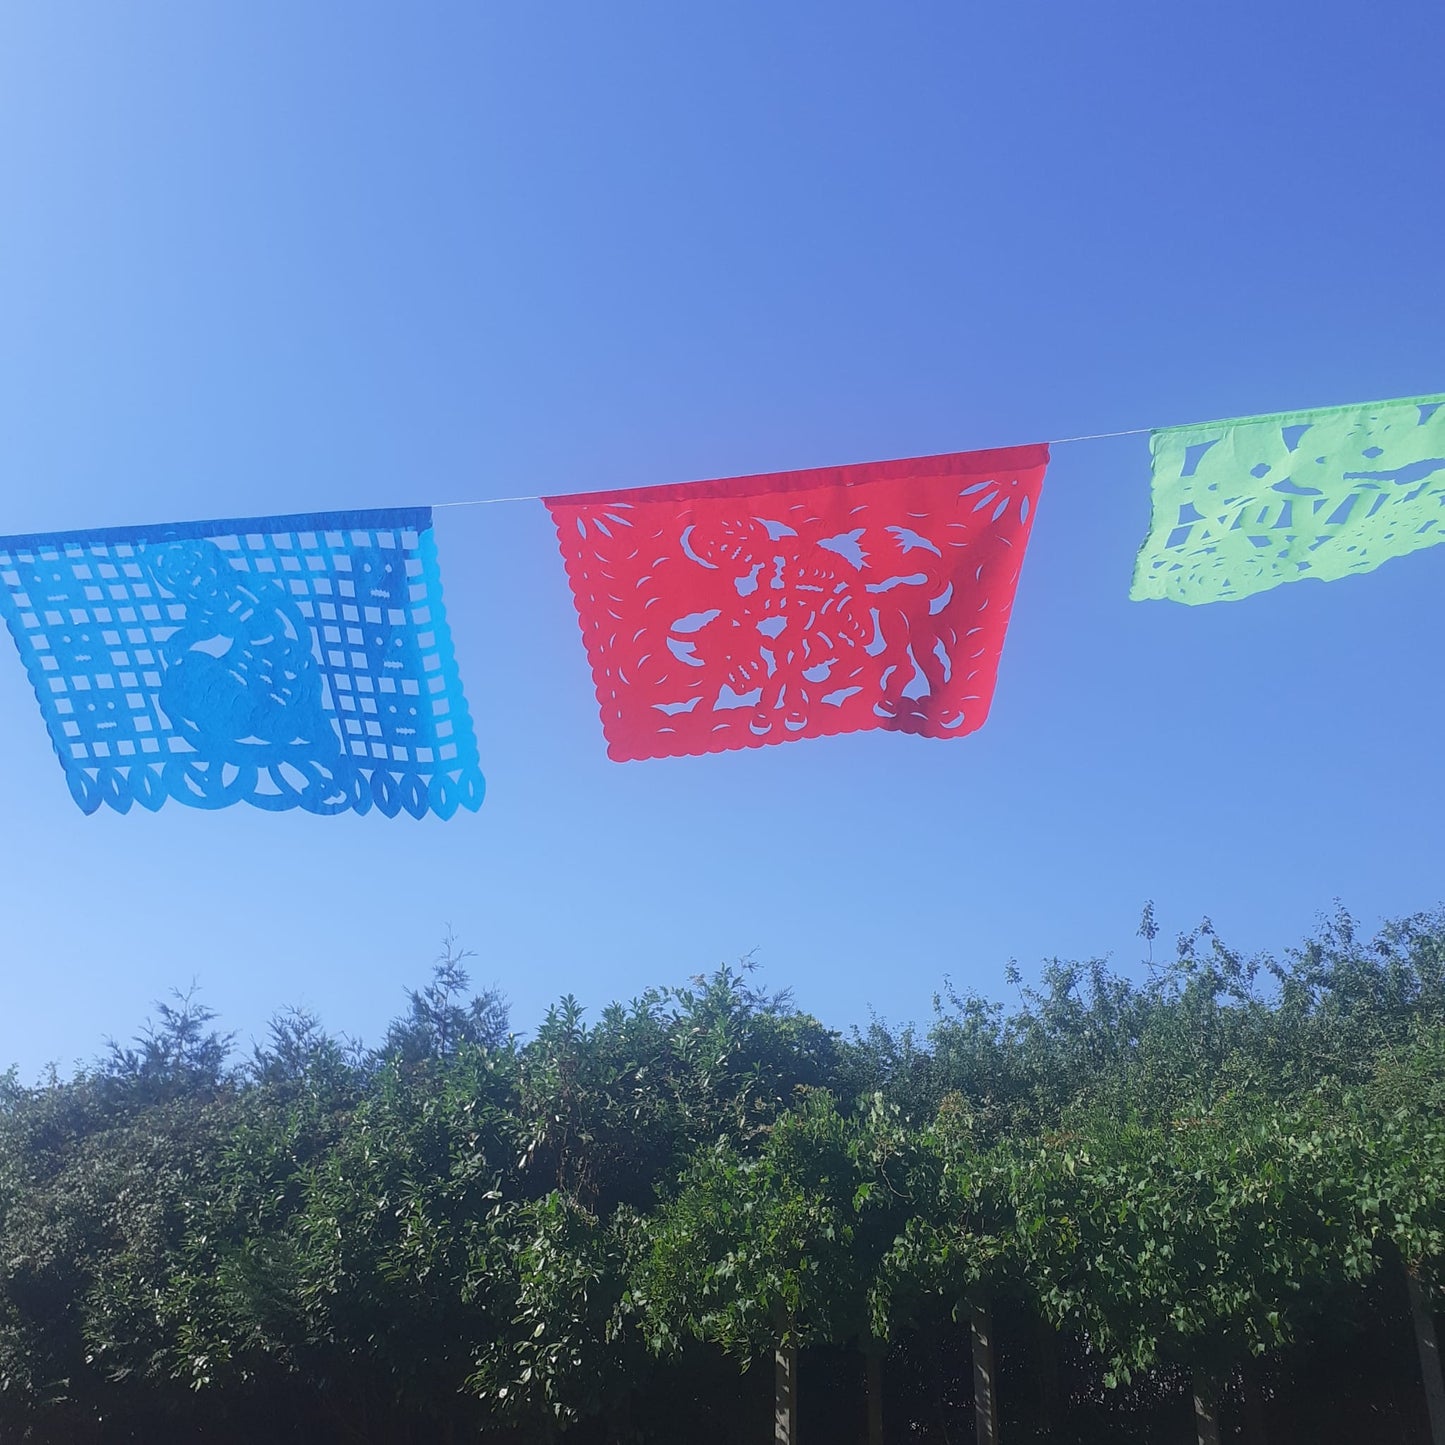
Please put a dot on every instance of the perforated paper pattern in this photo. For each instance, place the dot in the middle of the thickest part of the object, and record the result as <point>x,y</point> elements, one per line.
<point>287,662</point>
<point>1241,506</point>
<point>737,613</point>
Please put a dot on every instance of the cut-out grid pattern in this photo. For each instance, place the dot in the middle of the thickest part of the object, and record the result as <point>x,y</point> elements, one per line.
<point>284,661</point>
<point>1242,506</point>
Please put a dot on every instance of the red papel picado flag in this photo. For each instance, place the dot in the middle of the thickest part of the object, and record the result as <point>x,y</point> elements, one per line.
<point>754,610</point>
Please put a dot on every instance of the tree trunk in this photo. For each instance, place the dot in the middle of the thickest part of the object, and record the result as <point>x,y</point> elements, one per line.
<point>1206,1407</point>
<point>785,1395</point>
<point>1254,1432</point>
<point>985,1397</point>
<point>1048,1379</point>
<point>1425,1341</point>
<point>873,1387</point>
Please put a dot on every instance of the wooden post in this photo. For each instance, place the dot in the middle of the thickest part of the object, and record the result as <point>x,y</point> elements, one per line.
<point>985,1393</point>
<point>873,1387</point>
<point>1429,1348</point>
<point>1206,1407</point>
<point>785,1395</point>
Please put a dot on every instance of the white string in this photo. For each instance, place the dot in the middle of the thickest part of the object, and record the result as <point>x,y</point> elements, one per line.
<point>542,496</point>
<point>494,501</point>
<point>1097,436</point>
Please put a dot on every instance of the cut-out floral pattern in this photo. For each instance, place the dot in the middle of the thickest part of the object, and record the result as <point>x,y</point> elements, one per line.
<point>732,614</point>
<point>1242,506</point>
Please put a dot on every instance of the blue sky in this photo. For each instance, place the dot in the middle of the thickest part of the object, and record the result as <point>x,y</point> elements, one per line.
<point>265,257</point>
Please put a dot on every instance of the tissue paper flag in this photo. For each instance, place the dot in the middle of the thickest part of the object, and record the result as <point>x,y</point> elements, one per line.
<point>288,662</point>
<point>736,613</point>
<point>1241,506</point>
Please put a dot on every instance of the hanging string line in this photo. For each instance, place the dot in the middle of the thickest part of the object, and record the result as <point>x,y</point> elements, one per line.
<point>1099,436</point>
<point>542,496</point>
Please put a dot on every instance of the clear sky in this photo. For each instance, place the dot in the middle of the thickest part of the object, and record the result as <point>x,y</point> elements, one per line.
<point>278,257</point>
